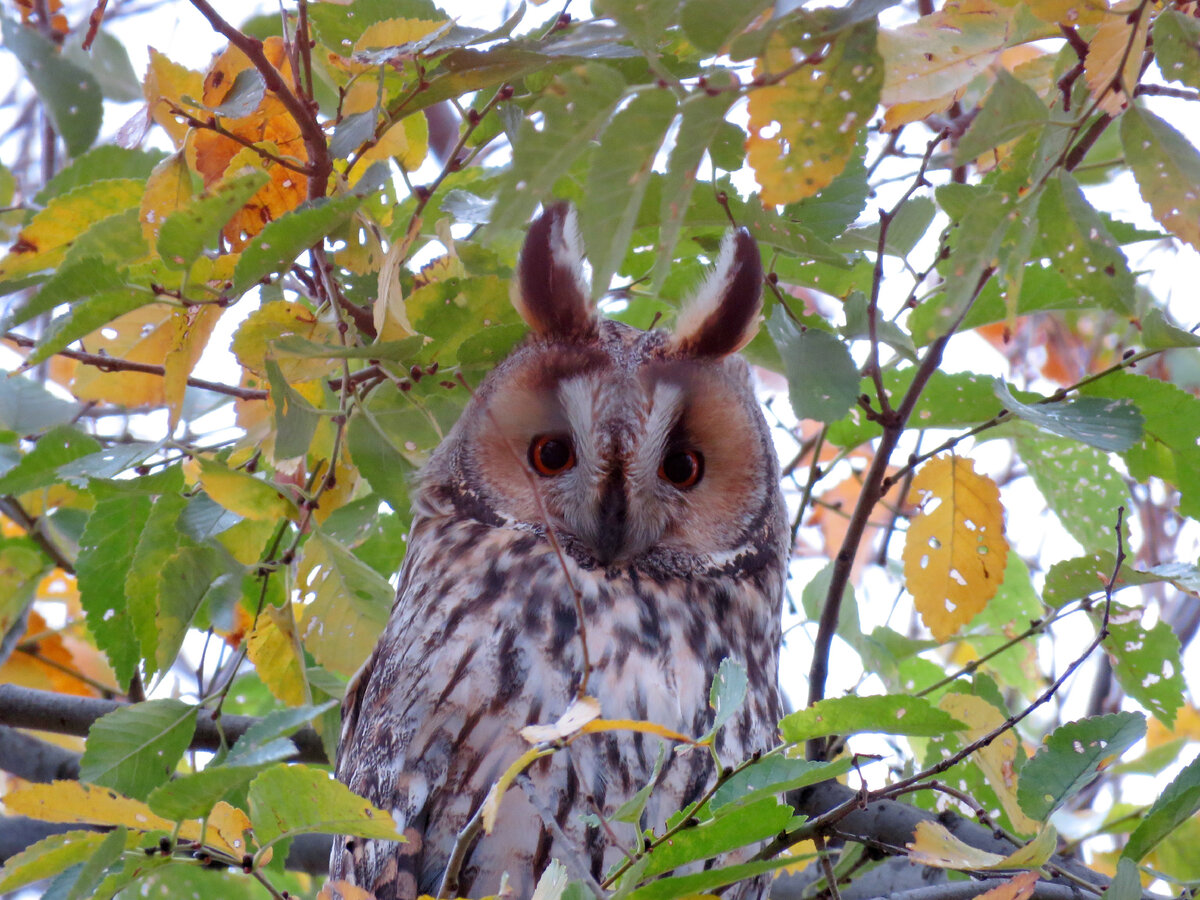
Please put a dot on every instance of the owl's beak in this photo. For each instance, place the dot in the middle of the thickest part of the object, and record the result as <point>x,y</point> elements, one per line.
<point>613,514</point>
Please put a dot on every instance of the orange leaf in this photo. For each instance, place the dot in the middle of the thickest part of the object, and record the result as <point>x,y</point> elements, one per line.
<point>955,551</point>
<point>1115,40</point>
<point>270,126</point>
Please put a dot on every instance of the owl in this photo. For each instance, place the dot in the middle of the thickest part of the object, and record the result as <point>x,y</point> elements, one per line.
<point>605,487</point>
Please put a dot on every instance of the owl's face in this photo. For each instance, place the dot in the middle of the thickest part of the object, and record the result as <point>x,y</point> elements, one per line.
<point>624,443</point>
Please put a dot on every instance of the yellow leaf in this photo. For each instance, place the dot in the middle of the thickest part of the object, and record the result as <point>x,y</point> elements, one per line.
<point>899,114</point>
<point>1187,725</point>
<point>936,56</point>
<point>344,890</point>
<point>955,550</point>
<point>390,313</point>
<point>144,335</point>
<point>581,711</point>
<point>274,648</point>
<point>192,328</point>
<point>997,759</point>
<point>168,83</point>
<point>83,804</point>
<point>1068,12</point>
<point>1115,40</point>
<point>242,493</point>
<point>361,95</point>
<point>231,825</point>
<point>933,845</point>
<point>1019,887</point>
<point>407,142</point>
<point>269,126</point>
<point>168,189</point>
<point>602,725</point>
<point>346,479</point>
<point>44,242</point>
<point>395,32</point>
<point>279,319</point>
<point>803,129</point>
<point>1036,853</point>
<point>491,803</point>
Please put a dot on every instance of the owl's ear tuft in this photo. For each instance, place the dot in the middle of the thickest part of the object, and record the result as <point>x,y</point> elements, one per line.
<point>550,290</point>
<point>722,316</point>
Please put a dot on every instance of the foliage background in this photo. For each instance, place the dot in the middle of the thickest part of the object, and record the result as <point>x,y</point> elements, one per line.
<point>965,327</point>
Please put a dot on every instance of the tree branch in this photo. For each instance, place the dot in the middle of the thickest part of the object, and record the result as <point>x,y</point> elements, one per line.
<point>22,707</point>
<point>116,364</point>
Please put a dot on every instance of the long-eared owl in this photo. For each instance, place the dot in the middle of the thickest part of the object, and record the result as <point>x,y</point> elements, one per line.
<point>623,473</point>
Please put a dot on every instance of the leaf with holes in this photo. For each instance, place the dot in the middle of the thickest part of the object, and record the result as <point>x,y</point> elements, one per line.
<point>804,128</point>
<point>955,551</point>
<point>1146,662</point>
<point>350,604</point>
<point>886,714</point>
<point>290,800</point>
<point>1072,756</point>
<point>1166,166</point>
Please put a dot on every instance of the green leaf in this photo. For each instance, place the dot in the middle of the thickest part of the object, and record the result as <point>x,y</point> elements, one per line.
<point>858,326</point>
<point>1162,159</point>
<point>295,418</point>
<point>1174,806</point>
<point>1159,334</point>
<point>85,317</point>
<point>107,855</point>
<point>1086,576</point>
<point>822,376</point>
<point>1146,663</point>
<point>739,828</point>
<point>48,857</point>
<point>82,278</point>
<point>1072,756</point>
<point>1010,109</point>
<point>710,23</point>
<point>186,233</point>
<point>1103,423</point>
<point>701,118</point>
<point>39,467</point>
<point>403,350</point>
<point>291,800</point>
<point>103,162</point>
<point>117,238</point>
<point>155,545</point>
<point>379,459</point>
<point>276,247</point>
<point>274,725</point>
<point>1126,884</point>
<point>905,230</point>
<point>109,462</point>
<point>70,95</point>
<point>699,883</point>
<point>727,694</point>
<point>1168,448</point>
<point>885,714</point>
<point>453,310</point>
<point>1176,37</point>
<point>108,61</point>
<point>28,408</point>
<point>570,120</point>
<point>349,608</point>
<point>1080,249</point>
<point>187,576</point>
<point>618,178</point>
<point>1081,487</point>
<point>773,775</point>
<point>136,748</point>
<point>975,244</point>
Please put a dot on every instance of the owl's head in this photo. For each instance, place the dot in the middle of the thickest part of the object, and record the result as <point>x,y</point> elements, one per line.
<point>631,446</point>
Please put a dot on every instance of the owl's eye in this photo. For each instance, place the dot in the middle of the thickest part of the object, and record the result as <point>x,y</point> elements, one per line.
<point>683,468</point>
<point>551,454</point>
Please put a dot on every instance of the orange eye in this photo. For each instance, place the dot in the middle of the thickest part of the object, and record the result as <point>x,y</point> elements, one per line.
<point>684,468</point>
<point>551,454</point>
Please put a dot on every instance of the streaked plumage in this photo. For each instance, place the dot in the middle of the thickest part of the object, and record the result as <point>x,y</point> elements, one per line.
<point>672,577</point>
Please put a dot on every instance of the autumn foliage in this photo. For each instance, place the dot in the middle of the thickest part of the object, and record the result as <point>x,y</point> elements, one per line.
<point>977,221</point>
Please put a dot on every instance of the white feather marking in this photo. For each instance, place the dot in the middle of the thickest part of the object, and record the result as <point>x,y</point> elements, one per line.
<point>707,297</point>
<point>566,249</point>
